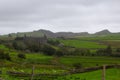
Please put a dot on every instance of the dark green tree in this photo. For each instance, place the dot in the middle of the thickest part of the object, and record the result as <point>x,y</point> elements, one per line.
<point>15,45</point>
<point>108,50</point>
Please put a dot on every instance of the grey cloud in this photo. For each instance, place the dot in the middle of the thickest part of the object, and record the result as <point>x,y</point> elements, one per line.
<point>59,15</point>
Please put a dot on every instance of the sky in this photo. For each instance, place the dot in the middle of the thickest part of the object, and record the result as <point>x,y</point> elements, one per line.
<point>59,15</point>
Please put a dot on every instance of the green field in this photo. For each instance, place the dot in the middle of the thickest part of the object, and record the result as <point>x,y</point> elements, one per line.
<point>58,65</point>
<point>111,74</point>
<point>103,37</point>
<point>89,61</point>
<point>4,47</point>
<point>44,64</point>
<point>113,43</point>
<point>82,44</point>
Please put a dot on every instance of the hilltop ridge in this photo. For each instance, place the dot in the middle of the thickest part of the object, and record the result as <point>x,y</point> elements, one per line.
<point>48,33</point>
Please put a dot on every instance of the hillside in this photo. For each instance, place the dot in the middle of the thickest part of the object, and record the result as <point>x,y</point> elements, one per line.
<point>103,32</point>
<point>51,34</point>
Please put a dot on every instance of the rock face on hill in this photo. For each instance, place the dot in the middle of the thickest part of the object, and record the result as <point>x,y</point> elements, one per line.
<point>103,32</point>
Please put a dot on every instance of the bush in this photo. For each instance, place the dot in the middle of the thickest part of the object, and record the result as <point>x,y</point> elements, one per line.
<point>59,53</point>
<point>48,50</point>
<point>4,55</point>
<point>21,55</point>
<point>104,52</point>
<point>82,52</point>
<point>108,50</point>
<point>53,42</point>
<point>7,56</point>
<point>77,65</point>
<point>118,50</point>
<point>100,52</point>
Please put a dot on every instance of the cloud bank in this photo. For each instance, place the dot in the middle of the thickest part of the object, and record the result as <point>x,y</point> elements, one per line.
<point>59,15</point>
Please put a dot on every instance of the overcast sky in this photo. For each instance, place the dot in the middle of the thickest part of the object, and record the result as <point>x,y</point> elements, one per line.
<point>59,15</point>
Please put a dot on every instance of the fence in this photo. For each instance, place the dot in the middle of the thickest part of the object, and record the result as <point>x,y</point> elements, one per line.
<point>33,76</point>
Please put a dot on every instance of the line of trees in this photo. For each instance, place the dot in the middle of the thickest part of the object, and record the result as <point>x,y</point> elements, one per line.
<point>104,52</point>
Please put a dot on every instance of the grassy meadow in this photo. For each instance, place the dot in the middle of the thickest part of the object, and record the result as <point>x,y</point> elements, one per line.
<point>89,61</point>
<point>45,64</point>
<point>82,44</point>
<point>111,74</point>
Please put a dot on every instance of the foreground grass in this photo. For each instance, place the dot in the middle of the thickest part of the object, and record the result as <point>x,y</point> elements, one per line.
<point>111,74</point>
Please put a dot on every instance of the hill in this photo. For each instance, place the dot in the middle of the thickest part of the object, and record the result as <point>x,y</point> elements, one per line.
<point>48,33</point>
<point>51,34</point>
<point>103,32</point>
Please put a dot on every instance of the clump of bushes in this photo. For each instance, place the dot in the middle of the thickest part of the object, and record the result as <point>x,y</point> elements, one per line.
<point>59,53</point>
<point>48,50</point>
<point>77,65</point>
<point>105,52</point>
<point>21,55</point>
<point>4,55</point>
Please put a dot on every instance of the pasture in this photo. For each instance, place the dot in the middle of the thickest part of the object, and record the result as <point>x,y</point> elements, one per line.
<point>45,64</point>
<point>111,74</point>
<point>87,61</point>
<point>82,44</point>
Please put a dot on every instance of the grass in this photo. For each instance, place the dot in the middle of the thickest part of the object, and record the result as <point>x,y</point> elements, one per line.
<point>4,47</point>
<point>82,44</point>
<point>113,43</point>
<point>44,64</point>
<point>38,58</point>
<point>89,61</point>
<point>103,37</point>
<point>111,74</point>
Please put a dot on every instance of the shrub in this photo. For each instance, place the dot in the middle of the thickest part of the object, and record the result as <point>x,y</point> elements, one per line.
<point>7,56</point>
<point>48,50</point>
<point>108,50</point>
<point>4,55</point>
<point>118,50</point>
<point>53,42</point>
<point>82,52</point>
<point>21,55</point>
<point>59,53</point>
<point>77,65</point>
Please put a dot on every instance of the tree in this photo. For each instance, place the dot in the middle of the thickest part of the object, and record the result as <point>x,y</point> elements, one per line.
<point>15,45</point>
<point>9,35</point>
<point>108,50</point>
<point>100,52</point>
